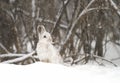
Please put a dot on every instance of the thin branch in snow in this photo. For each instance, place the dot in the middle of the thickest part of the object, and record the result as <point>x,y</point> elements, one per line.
<point>79,60</point>
<point>115,59</point>
<point>20,59</point>
<point>3,47</point>
<point>95,56</point>
<point>11,55</point>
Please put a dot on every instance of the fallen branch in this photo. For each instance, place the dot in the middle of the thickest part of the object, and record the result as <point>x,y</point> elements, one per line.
<point>118,58</point>
<point>95,56</point>
<point>79,60</point>
<point>20,58</point>
<point>11,55</point>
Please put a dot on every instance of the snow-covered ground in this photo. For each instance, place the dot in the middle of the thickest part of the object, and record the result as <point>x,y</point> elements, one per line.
<point>54,73</point>
<point>113,53</point>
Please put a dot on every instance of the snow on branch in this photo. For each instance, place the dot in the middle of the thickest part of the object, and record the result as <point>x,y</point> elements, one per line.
<point>23,57</point>
<point>115,6</point>
<point>103,8</point>
<point>11,55</point>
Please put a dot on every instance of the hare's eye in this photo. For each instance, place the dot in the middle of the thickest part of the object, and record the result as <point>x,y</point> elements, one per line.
<point>44,36</point>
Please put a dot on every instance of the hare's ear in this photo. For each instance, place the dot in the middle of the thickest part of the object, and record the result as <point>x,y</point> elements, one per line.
<point>41,29</point>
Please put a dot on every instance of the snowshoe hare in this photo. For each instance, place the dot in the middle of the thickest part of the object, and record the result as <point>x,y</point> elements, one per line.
<point>45,50</point>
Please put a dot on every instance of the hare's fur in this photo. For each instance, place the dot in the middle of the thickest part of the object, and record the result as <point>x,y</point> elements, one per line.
<point>45,50</point>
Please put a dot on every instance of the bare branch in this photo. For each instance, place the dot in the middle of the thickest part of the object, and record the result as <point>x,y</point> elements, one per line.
<point>91,9</point>
<point>11,55</point>
<point>23,11</point>
<point>52,22</point>
<point>104,60</point>
<point>115,59</point>
<point>3,47</point>
<point>20,59</point>
<point>76,21</point>
<point>115,7</point>
<point>60,13</point>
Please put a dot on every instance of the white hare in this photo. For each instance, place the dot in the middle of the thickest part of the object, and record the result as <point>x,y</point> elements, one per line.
<point>45,50</point>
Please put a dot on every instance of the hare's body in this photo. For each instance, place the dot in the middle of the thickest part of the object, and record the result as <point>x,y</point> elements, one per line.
<point>45,50</point>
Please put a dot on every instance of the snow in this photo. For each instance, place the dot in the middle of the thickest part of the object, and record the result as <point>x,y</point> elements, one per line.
<point>113,51</point>
<point>55,73</point>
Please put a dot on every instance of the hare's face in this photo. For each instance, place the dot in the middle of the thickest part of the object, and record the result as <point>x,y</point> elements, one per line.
<point>45,37</point>
<point>43,34</point>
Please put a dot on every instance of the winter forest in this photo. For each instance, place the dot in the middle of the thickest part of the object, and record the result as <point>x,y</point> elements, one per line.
<point>83,31</point>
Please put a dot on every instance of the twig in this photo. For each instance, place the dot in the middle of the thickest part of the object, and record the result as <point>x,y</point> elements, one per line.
<point>63,26</point>
<point>60,13</point>
<point>115,7</point>
<point>95,56</point>
<point>20,59</point>
<point>22,11</point>
<point>115,59</point>
<point>10,14</point>
<point>76,21</point>
<point>91,9</point>
<point>15,55</point>
<point>3,47</point>
<point>77,61</point>
<point>99,63</point>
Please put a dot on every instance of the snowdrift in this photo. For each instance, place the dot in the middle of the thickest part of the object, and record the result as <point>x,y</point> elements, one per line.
<point>55,73</point>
